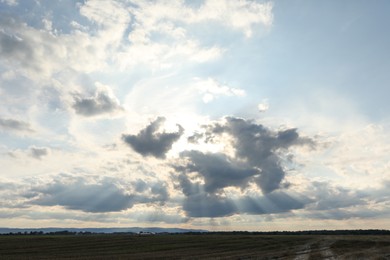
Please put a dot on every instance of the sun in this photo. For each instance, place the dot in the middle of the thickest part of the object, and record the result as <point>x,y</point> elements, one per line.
<point>192,125</point>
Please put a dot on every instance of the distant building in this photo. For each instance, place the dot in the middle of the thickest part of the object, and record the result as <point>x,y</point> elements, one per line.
<point>146,233</point>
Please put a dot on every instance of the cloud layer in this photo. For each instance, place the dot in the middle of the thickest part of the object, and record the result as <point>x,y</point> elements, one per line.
<point>242,135</point>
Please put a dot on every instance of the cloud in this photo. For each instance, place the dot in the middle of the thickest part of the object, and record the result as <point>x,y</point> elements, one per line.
<point>105,13</point>
<point>203,201</point>
<point>148,142</point>
<point>237,15</point>
<point>21,46</point>
<point>274,202</point>
<point>159,216</point>
<point>218,184</point>
<point>211,89</point>
<point>206,205</point>
<point>331,201</point>
<point>330,197</point>
<point>96,195</point>
<point>212,205</point>
<point>263,107</point>
<point>103,102</point>
<point>14,125</point>
<point>163,34</point>
<point>261,148</point>
<point>100,197</point>
<point>10,2</point>
<point>43,52</point>
<point>12,46</point>
<point>344,214</point>
<point>150,191</point>
<point>38,152</point>
<point>152,52</point>
<point>217,170</point>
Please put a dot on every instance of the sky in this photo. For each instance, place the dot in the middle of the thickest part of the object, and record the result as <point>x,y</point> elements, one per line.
<point>210,114</point>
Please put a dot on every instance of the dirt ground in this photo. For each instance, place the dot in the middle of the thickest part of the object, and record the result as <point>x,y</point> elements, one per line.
<point>195,246</point>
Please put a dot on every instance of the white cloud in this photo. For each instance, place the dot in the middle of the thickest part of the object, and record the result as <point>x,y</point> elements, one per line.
<point>112,19</point>
<point>161,37</point>
<point>239,15</point>
<point>263,106</point>
<point>361,156</point>
<point>10,2</point>
<point>356,159</point>
<point>41,53</point>
<point>211,89</point>
<point>159,55</point>
<point>47,24</point>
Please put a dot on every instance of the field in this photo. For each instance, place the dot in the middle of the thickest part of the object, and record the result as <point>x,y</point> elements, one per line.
<point>192,246</point>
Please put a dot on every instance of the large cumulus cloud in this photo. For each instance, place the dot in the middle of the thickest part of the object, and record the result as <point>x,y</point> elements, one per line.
<point>256,147</point>
<point>257,159</point>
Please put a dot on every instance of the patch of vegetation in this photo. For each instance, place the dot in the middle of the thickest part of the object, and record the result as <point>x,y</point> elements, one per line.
<point>199,246</point>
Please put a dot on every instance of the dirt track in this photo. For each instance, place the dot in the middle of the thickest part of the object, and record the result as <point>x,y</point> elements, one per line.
<point>345,247</point>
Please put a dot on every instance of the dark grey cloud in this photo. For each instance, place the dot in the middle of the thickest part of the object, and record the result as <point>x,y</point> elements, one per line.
<point>261,148</point>
<point>205,199</point>
<point>203,204</point>
<point>38,152</point>
<point>217,170</point>
<point>14,125</point>
<point>149,142</point>
<point>102,196</point>
<point>103,102</point>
